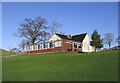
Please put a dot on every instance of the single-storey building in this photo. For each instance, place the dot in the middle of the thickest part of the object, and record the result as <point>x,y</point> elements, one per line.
<point>62,43</point>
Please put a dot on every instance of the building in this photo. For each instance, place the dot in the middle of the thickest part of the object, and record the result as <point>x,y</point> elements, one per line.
<point>62,43</point>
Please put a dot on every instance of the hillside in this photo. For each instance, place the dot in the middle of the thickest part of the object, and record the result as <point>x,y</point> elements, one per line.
<point>5,53</point>
<point>62,66</point>
<point>2,50</point>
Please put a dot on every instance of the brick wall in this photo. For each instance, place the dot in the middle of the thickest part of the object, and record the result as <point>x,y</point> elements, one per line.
<point>56,49</point>
<point>66,46</point>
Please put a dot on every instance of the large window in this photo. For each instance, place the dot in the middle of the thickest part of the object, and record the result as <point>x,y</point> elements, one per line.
<point>31,47</point>
<point>51,45</point>
<point>80,46</point>
<point>57,43</point>
<point>39,46</point>
<point>28,48</point>
<point>45,45</point>
<point>34,47</point>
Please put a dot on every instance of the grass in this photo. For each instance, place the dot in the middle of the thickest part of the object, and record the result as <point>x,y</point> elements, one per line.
<point>65,66</point>
<point>0,69</point>
<point>5,53</point>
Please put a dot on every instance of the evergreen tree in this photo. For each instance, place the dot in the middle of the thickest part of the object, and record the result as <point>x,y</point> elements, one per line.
<point>96,41</point>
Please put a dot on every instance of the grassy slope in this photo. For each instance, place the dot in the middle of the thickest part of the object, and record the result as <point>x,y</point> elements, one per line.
<point>5,53</point>
<point>0,65</point>
<point>65,66</point>
<point>0,69</point>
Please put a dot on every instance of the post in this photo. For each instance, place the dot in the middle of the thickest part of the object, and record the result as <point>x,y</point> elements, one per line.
<point>62,44</point>
<point>72,46</point>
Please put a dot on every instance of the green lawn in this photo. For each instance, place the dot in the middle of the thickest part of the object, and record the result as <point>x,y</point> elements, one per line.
<point>65,66</point>
<point>0,69</point>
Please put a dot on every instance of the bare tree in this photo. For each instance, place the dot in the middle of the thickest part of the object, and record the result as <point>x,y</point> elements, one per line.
<point>32,29</point>
<point>23,44</point>
<point>54,27</point>
<point>108,39</point>
<point>62,33</point>
<point>118,40</point>
<point>14,50</point>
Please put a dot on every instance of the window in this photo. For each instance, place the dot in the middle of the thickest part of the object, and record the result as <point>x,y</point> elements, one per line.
<point>59,43</point>
<point>51,45</point>
<point>28,48</point>
<point>80,46</point>
<point>33,47</point>
<point>41,46</point>
<point>75,45</point>
<point>45,45</point>
<point>38,46</point>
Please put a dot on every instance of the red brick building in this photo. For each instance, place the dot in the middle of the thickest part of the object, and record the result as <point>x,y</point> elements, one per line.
<point>61,43</point>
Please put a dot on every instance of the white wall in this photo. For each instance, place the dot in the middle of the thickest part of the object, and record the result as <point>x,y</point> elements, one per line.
<point>86,45</point>
<point>54,38</point>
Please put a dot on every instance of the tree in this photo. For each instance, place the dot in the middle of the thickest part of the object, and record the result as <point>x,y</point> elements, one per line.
<point>118,40</point>
<point>108,39</point>
<point>54,27</point>
<point>14,50</point>
<point>62,33</point>
<point>32,29</point>
<point>96,41</point>
<point>23,44</point>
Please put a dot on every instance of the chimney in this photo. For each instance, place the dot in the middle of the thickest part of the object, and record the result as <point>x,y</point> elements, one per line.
<point>69,36</point>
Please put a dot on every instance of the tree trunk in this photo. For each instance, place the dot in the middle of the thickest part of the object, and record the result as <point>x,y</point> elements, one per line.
<point>33,41</point>
<point>95,49</point>
<point>109,46</point>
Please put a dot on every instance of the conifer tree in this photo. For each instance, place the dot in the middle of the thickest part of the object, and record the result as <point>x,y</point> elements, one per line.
<point>96,41</point>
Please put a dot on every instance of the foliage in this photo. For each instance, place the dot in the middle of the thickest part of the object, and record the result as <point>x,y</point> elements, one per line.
<point>96,41</point>
<point>118,40</point>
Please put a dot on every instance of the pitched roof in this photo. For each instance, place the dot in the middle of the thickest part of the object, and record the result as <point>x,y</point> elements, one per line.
<point>78,38</point>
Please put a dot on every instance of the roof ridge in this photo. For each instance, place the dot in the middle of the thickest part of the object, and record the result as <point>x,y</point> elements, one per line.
<point>78,37</point>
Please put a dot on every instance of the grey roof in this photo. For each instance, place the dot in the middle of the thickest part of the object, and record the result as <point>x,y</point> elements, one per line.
<point>77,38</point>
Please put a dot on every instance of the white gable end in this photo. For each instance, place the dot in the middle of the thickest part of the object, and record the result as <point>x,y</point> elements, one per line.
<point>86,44</point>
<point>54,38</point>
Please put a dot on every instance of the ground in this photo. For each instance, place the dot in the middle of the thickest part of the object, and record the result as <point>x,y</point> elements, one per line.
<point>65,66</point>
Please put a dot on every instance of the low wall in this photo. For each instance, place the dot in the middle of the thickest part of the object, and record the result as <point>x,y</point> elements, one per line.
<point>55,49</point>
